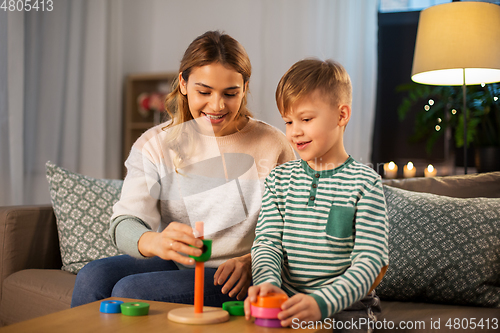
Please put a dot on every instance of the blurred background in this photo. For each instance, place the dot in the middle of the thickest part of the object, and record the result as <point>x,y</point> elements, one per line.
<point>72,75</point>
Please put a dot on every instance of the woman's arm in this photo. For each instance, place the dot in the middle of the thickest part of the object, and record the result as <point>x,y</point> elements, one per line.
<point>136,217</point>
<point>175,238</point>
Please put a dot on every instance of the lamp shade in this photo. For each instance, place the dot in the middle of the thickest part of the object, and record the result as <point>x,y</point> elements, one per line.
<point>456,36</point>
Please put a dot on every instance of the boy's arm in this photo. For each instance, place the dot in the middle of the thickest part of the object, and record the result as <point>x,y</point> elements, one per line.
<point>369,255</point>
<point>267,250</point>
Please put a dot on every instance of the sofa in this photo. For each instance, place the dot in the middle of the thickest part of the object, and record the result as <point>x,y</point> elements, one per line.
<point>415,292</point>
<point>33,283</point>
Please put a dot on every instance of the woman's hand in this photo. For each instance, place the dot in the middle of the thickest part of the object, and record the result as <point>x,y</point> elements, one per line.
<point>239,272</point>
<point>260,290</point>
<point>300,306</point>
<point>176,237</point>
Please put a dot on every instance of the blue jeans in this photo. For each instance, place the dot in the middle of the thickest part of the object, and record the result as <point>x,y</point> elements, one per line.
<point>151,279</point>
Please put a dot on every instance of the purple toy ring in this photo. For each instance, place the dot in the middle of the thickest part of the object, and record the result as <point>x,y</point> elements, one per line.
<point>268,322</point>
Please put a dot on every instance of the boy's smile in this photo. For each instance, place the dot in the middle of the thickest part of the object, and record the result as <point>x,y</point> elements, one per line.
<point>315,129</point>
<point>302,144</point>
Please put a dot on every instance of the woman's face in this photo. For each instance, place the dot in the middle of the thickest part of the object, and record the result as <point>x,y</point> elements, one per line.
<point>214,94</point>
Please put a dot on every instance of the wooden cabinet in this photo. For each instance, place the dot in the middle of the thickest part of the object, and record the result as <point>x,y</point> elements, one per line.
<point>144,100</point>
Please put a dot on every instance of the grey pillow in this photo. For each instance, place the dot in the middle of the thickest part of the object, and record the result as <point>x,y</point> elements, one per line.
<point>83,207</point>
<point>442,249</point>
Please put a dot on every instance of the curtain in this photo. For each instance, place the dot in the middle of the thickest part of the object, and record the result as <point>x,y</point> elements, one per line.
<point>11,98</point>
<point>342,30</point>
<point>54,95</point>
<point>276,34</point>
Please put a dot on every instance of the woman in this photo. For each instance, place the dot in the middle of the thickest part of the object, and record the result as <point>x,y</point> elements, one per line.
<point>206,164</point>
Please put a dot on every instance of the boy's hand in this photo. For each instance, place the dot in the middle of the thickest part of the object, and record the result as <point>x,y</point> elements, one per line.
<point>260,290</point>
<point>301,306</point>
<point>236,276</point>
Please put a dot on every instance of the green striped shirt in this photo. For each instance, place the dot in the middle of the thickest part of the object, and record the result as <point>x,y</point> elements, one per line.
<point>322,233</point>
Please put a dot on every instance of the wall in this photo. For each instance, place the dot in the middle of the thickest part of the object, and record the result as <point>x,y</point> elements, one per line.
<point>65,103</point>
<point>275,34</point>
<point>157,32</point>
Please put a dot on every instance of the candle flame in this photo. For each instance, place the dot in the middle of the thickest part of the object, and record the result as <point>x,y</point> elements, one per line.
<point>410,165</point>
<point>430,168</point>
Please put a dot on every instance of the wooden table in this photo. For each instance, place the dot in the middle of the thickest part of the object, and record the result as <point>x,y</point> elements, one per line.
<point>88,318</point>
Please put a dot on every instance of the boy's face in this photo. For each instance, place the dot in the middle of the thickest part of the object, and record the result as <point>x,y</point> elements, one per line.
<point>315,128</point>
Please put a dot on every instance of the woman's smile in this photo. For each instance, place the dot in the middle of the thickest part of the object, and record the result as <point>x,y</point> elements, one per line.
<point>214,118</point>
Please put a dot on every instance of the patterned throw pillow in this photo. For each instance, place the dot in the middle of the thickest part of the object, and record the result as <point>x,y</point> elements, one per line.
<point>442,249</point>
<point>83,207</point>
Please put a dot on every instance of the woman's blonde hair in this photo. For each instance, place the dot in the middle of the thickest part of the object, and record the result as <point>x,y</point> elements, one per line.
<point>309,75</point>
<point>211,47</point>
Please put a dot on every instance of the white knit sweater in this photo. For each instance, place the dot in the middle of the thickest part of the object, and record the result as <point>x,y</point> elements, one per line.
<point>220,183</point>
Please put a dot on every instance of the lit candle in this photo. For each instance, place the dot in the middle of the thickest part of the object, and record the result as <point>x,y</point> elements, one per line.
<point>430,171</point>
<point>390,170</point>
<point>409,170</point>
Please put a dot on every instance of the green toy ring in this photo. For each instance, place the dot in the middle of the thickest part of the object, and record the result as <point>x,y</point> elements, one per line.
<point>135,308</point>
<point>235,308</point>
<point>207,251</point>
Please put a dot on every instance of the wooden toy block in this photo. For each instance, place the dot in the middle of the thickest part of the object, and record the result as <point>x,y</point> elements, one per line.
<point>207,251</point>
<point>134,308</point>
<point>271,300</point>
<point>235,308</point>
<point>209,315</point>
<point>199,314</point>
<point>110,307</point>
<point>275,323</point>
<point>264,313</point>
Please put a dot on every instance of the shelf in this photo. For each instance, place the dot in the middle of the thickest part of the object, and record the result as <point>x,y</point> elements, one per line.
<point>143,88</point>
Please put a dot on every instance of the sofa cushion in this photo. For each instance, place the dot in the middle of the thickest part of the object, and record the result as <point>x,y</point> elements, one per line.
<point>457,186</point>
<point>83,207</point>
<point>31,293</point>
<point>442,249</point>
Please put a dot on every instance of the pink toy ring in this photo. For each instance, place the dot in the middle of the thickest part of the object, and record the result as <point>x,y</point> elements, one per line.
<point>264,313</point>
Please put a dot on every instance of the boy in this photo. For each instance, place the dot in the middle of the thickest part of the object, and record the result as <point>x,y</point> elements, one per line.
<point>322,231</point>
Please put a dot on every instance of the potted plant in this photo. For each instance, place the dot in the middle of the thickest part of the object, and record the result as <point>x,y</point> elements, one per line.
<point>442,109</point>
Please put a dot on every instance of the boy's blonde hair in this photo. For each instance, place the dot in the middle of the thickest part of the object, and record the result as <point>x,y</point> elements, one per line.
<point>309,75</point>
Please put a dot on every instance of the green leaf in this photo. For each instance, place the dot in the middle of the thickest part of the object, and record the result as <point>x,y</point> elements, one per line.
<point>483,112</point>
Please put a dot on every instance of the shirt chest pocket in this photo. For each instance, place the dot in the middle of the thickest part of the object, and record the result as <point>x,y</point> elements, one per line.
<point>340,222</point>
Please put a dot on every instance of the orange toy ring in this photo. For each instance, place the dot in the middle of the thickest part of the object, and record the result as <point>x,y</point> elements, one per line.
<point>271,300</point>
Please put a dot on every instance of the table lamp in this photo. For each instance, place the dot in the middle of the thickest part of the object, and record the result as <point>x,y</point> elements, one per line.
<point>458,44</point>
